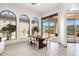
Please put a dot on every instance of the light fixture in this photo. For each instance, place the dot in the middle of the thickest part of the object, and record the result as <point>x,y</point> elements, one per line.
<point>35,4</point>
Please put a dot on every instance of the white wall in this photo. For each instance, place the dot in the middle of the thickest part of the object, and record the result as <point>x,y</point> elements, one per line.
<point>62,25</point>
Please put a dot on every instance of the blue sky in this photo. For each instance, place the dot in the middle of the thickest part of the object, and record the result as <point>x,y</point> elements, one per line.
<point>48,23</point>
<point>73,22</point>
<point>45,23</point>
<point>69,22</point>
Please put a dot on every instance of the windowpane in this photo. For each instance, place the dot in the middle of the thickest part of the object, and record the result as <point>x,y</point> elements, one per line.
<point>23,26</point>
<point>7,14</point>
<point>8,25</point>
<point>50,26</point>
<point>35,25</point>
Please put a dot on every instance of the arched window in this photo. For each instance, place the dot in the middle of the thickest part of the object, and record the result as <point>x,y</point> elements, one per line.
<point>34,20</point>
<point>24,26</point>
<point>8,15</point>
<point>8,24</point>
<point>35,24</point>
<point>24,18</point>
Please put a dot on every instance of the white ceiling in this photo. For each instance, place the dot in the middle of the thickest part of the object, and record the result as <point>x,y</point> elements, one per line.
<point>41,9</point>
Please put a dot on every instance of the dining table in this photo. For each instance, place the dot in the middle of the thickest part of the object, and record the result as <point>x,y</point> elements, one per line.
<point>40,40</point>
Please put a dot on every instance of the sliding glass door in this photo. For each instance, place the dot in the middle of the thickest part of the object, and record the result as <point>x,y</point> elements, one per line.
<point>77,28</point>
<point>73,27</point>
<point>71,30</point>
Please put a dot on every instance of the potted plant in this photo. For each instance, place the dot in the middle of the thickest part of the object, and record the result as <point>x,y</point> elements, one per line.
<point>8,30</point>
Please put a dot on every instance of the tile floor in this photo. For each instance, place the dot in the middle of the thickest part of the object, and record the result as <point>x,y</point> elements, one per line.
<point>53,49</point>
<point>23,49</point>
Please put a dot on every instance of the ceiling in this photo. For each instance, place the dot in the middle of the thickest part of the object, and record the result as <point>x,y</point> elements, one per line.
<point>43,7</point>
<point>39,8</point>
